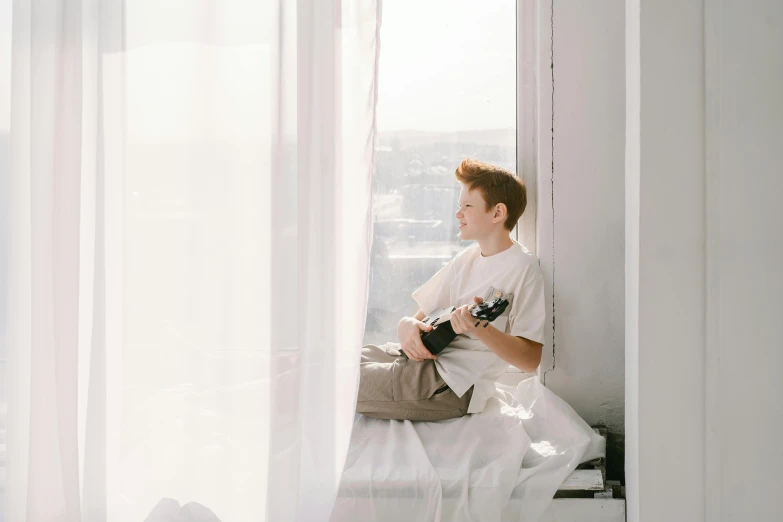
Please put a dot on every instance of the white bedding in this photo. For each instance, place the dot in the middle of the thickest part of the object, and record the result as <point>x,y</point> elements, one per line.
<point>502,464</point>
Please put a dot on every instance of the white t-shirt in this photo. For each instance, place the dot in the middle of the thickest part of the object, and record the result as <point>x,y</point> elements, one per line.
<point>466,361</point>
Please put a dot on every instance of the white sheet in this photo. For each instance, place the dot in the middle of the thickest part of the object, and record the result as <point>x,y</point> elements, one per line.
<point>502,464</point>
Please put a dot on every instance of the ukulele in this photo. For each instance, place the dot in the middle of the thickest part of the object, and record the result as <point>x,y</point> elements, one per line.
<point>442,333</point>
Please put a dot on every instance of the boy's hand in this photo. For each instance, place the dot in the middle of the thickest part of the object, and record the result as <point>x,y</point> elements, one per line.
<point>409,332</point>
<point>462,322</point>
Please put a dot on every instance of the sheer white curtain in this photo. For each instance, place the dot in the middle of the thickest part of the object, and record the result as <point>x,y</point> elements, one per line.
<point>189,236</point>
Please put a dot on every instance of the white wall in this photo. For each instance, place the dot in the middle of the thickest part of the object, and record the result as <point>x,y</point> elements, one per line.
<point>745,260</point>
<point>581,234</point>
<point>704,250</point>
<point>665,267</point>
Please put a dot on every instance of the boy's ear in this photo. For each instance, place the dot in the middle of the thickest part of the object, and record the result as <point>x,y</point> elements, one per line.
<point>500,210</point>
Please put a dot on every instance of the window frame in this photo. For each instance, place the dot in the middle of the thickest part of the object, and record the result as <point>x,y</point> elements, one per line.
<point>535,87</point>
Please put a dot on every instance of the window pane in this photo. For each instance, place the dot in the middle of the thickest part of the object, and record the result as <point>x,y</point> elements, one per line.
<point>447,91</point>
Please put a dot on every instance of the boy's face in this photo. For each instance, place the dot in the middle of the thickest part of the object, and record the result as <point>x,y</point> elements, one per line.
<point>474,221</point>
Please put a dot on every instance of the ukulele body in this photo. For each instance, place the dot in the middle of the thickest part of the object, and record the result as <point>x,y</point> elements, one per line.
<point>438,338</point>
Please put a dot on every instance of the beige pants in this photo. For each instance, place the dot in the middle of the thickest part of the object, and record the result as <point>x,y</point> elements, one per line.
<point>393,387</point>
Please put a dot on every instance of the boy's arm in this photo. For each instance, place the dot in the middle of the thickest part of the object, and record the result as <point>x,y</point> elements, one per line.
<point>516,351</point>
<point>420,315</point>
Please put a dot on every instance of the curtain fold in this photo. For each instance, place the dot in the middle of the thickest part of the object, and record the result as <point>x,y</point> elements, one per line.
<point>189,238</point>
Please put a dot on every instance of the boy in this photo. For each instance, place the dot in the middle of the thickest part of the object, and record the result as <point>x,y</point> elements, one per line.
<point>462,377</point>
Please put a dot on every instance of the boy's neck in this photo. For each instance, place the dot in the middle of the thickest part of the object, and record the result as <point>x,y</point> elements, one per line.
<point>490,246</point>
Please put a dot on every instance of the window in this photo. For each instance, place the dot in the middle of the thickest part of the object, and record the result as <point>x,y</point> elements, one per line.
<point>447,91</point>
